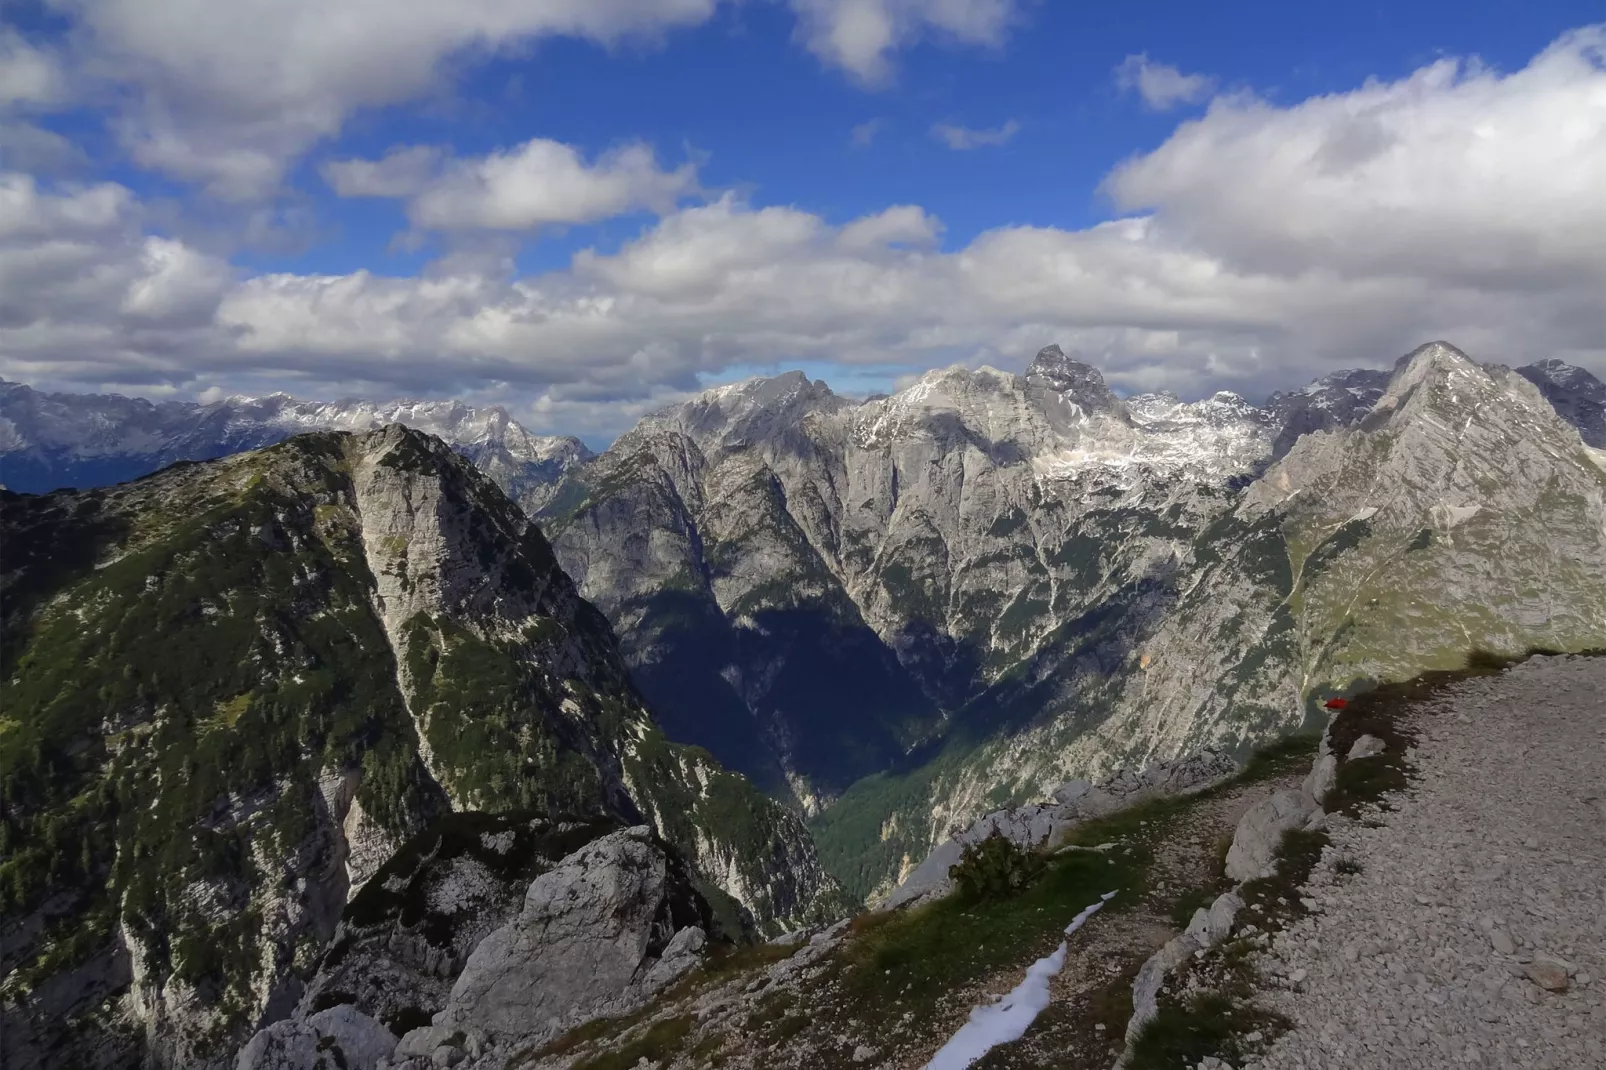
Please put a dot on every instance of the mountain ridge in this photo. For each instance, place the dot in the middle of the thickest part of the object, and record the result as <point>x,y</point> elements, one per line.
<point>234,688</point>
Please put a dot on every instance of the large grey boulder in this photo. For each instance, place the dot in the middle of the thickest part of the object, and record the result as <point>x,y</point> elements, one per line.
<point>607,928</point>
<point>340,1036</point>
<point>1260,833</point>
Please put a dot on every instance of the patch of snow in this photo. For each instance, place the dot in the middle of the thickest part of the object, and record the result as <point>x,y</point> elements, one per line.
<point>1009,1018</point>
<point>1365,514</point>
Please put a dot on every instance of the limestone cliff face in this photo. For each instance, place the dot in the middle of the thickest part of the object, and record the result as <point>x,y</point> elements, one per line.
<point>232,690</point>
<point>990,583</point>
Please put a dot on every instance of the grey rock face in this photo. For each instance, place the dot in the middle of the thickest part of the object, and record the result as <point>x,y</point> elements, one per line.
<point>1577,396</point>
<point>1334,401</point>
<point>610,926</point>
<point>406,936</point>
<point>343,1036</point>
<point>383,566</point>
<point>1259,834</point>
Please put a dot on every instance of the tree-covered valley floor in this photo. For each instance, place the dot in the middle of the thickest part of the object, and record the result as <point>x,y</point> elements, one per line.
<point>887,990</point>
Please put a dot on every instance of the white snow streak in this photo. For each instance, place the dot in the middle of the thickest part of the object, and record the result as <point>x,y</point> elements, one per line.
<point>1009,1018</point>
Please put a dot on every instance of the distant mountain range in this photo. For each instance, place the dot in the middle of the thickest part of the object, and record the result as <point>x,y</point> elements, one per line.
<point>907,611</point>
<point>88,440</point>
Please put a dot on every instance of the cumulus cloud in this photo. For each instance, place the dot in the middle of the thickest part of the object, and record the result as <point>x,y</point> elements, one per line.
<point>1161,85</point>
<point>401,172</point>
<point>963,138</point>
<point>1457,172</point>
<point>1262,246</point>
<point>859,35</point>
<point>229,95</point>
<point>29,75</point>
<point>536,184</point>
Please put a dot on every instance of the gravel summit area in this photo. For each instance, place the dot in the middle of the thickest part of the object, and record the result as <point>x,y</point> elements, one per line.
<point>1475,931</point>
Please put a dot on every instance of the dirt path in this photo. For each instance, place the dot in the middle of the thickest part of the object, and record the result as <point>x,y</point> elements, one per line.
<point>1474,933</point>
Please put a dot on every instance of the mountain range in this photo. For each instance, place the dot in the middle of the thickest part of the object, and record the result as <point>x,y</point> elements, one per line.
<point>900,612</point>
<point>50,440</point>
<point>906,611</point>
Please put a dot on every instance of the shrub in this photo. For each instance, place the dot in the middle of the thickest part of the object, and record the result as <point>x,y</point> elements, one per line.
<point>995,868</point>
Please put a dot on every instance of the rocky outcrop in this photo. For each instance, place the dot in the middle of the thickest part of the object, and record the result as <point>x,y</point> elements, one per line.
<point>1259,835</point>
<point>606,929</point>
<point>340,1036</point>
<point>1072,803</point>
<point>1210,926</point>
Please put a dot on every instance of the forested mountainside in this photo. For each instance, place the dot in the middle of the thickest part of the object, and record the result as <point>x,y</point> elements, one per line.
<point>50,440</point>
<point>230,692</point>
<point>910,610</point>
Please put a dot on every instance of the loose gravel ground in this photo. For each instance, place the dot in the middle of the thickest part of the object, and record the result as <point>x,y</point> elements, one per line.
<point>1475,932</point>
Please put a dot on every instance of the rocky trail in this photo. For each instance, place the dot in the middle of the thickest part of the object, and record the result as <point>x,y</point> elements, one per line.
<point>1474,931</point>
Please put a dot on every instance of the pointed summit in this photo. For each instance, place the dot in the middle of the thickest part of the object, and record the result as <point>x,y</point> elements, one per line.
<point>1071,379</point>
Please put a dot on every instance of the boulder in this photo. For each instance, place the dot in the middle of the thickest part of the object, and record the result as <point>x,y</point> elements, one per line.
<point>1319,781</point>
<point>599,934</point>
<point>1210,925</point>
<point>343,1035</point>
<point>1366,747</point>
<point>1260,833</point>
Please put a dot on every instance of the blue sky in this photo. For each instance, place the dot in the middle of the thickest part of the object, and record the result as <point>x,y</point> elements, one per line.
<point>219,139</point>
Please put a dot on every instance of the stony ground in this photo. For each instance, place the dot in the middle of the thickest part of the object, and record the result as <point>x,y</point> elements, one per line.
<point>799,1012</point>
<point>1474,933</point>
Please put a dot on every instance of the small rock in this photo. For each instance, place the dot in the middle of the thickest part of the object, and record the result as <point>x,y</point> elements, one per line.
<point>1367,746</point>
<point>1502,942</point>
<point>863,1053</point>
<point>1548,974</point>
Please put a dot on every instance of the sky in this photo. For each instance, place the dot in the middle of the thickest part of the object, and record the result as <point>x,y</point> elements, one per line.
<point>585,209</point>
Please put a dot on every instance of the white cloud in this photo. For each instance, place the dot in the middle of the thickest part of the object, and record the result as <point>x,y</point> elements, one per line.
<point>903,224</point>
<point>1457,173</point>
<point>228,95</point>
<point>1275,243</point>
<point>859,35</point>
<point>962,138</point>
<point>401,172</point>
<point>29,76</point>
<point>866,132</point>
<point>1161,85</point>
<point>536,184</point>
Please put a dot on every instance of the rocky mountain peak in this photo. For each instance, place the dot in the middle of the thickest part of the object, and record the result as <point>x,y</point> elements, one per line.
<point>1071,379</point>
<point>760,410</point>
<point>1575,394</point>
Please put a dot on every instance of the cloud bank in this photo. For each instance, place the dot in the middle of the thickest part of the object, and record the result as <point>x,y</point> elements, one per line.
<point>1258,246</point>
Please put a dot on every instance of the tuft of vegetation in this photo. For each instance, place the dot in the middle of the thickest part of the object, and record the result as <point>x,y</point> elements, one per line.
<point>995,868</point>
